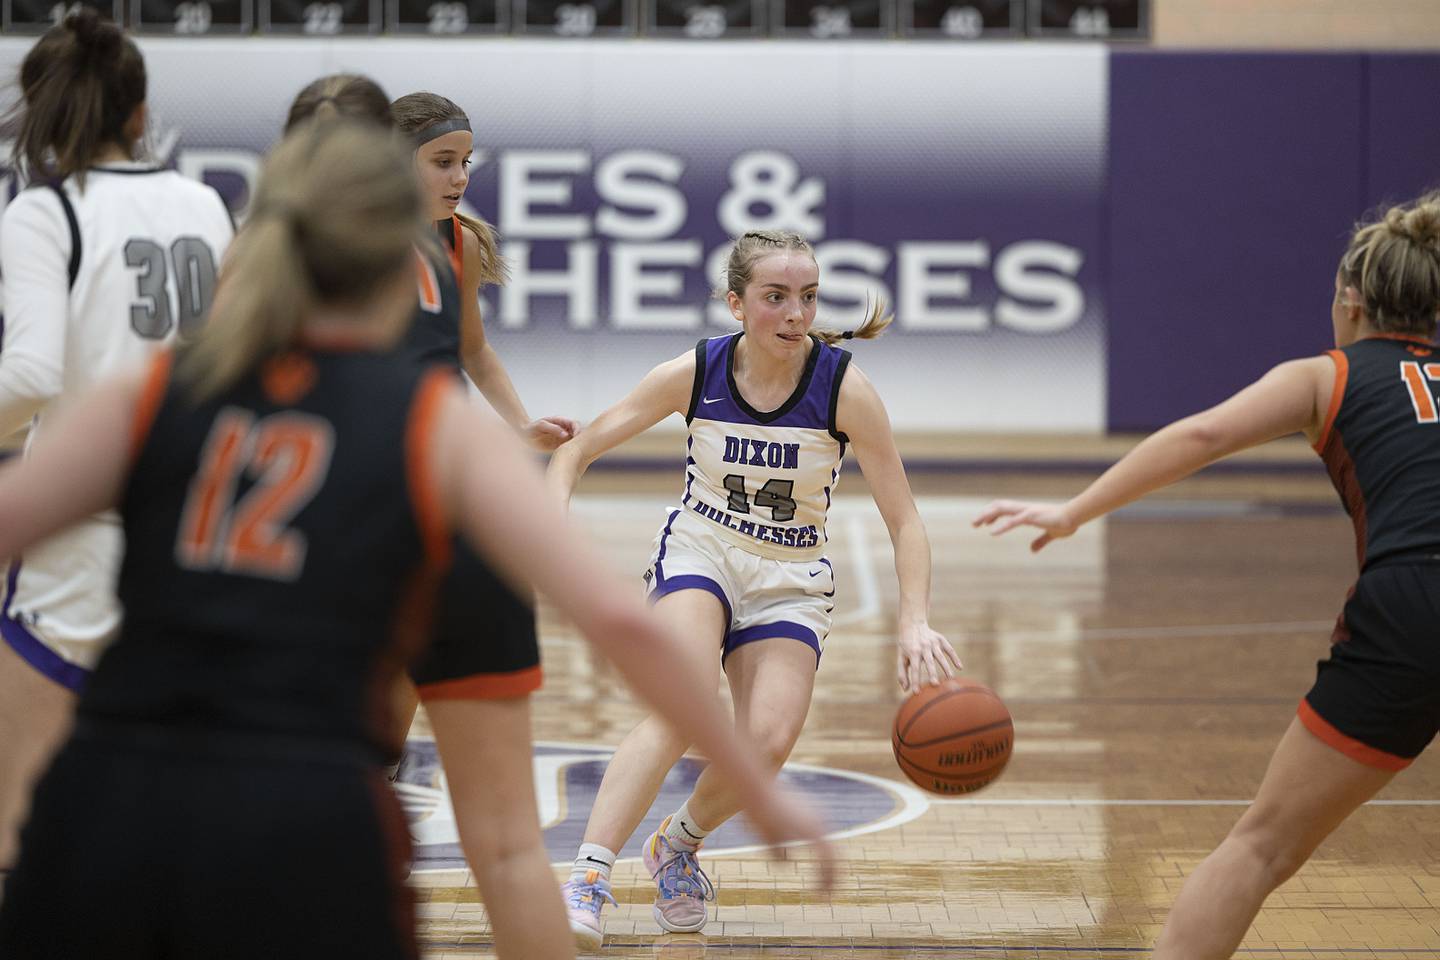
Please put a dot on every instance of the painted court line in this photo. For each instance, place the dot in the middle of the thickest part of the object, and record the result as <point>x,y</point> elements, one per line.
<point>1106,802</point>
<point>938,949</point>
<point>867,586</point>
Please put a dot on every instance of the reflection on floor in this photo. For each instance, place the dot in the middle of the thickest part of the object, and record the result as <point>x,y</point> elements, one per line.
<point>1151,663</point>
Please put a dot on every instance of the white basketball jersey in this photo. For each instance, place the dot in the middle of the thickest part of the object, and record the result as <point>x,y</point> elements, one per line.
<point>94,287</point>
<point>765,479</point>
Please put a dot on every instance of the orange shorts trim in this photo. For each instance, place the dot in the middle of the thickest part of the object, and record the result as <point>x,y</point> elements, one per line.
<point>485,686</point>
<point>1352,748</point>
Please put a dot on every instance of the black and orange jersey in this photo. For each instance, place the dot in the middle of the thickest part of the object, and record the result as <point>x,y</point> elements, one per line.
<point>453,240</point>
<point>1381,444</point>
<point>434,334</point>
<point>284,552</point>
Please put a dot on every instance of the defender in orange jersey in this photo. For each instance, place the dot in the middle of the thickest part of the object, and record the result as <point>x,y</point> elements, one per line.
<point>440,132</point>
<point>1369,408</point>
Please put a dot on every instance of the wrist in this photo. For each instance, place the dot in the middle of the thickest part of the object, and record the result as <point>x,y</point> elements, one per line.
<point>913,616</point>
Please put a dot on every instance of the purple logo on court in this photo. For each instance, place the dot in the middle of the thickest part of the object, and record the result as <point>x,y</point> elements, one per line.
<point>568,776</point>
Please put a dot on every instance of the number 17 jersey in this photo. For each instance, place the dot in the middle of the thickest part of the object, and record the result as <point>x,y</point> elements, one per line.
<point>764,480</point>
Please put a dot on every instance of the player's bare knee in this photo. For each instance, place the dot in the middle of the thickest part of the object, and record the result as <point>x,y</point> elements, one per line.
<point>1274,848</point>
<point>775,747</point>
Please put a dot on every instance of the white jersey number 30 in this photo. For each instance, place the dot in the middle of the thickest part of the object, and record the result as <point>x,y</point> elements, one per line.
<point>193,265</point>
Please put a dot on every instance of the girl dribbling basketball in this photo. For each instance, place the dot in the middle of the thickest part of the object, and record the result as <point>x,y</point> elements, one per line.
<point>739,566</point>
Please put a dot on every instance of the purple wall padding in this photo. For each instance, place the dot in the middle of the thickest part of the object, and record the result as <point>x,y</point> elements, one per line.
<point>1402,130</point>
<point>1233,181</point>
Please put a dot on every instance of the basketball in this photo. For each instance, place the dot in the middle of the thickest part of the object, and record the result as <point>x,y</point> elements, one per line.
<point>953,737</point>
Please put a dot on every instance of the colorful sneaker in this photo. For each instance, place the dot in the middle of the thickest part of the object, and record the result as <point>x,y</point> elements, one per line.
<point>583,901</point>
<point>683,886</point>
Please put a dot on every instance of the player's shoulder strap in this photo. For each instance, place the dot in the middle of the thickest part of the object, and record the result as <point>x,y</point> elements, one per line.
<point>842,363</point>
<point>699,384</point>
<point>74,223</point>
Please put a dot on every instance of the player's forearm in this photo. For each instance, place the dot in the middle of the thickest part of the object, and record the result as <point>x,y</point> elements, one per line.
<point>912,570</point>
<point>488,373</point>
<point>567,465</point>
<point>1161,459</point>
<point>647,656</point>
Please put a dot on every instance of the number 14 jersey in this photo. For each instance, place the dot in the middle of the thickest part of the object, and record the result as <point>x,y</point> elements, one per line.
<point>764,479</point>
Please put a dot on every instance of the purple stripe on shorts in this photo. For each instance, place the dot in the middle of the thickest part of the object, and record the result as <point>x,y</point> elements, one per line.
<point>832,577</point>
<point>690,581</point>
<point>664,535</point>
<point>42,658</point>
<point>766,631</point>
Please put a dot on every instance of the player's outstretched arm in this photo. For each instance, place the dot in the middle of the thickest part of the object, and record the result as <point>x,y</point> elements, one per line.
<point>498,500</point>
<point>922,655</point>
<point>77,466</point>
<point>661,392</point>
<point>1291,398</point>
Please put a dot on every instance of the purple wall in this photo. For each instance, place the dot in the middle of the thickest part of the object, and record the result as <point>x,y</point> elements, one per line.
<point>1233,181</point>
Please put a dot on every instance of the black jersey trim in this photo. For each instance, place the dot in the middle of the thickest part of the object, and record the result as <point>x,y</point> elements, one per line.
<point>841,366</point>
<point>128,171</point>
<point>74,230</point>
<point>815,347</point>
<point>699,383</point>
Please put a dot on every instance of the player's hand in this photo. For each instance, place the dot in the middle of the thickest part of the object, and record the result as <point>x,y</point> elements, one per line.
<point>547,433</point>
<point>1005,515</point>
<point>782,817</point>
<point>923,657</point>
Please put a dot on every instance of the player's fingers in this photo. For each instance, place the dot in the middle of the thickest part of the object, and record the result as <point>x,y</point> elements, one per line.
<point>947,655</point>
<point>826,858</point>
<point>1039,542</point>
<point>954,657</point>
<point>1010,522</point>
<point>932,667</point>
<point>569,428</point>
<point>991,512</point>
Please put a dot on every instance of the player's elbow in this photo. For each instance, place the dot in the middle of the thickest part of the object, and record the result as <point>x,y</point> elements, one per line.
<point>25,381</point>
<point>1205,434</point>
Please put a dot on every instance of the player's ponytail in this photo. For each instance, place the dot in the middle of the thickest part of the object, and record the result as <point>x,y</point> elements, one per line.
<point>1394,262</point>
<point>420,116</point>
<point>80,86</point>
<point>347,95</point>
<point>752,246</point>
<point>334,220</point>
<point>876,322</point>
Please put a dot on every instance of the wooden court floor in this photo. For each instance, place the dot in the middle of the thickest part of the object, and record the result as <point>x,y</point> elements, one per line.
<point>1151,664</point>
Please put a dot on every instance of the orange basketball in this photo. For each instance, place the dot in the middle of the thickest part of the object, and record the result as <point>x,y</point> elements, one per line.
<point>953,737</point>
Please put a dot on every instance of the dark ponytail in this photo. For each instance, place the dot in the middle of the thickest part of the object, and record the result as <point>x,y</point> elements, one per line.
<point>80,85</point>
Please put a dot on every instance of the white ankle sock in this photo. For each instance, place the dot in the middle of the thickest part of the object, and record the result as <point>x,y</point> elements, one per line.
<point>682,830</point>
<point>592,856</point>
